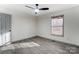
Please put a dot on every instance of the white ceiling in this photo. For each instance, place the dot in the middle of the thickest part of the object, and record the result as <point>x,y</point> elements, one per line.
<point>20,8</point>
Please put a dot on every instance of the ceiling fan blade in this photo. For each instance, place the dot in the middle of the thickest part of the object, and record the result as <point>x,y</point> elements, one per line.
<point>44,9</point>
<point>29,7</point>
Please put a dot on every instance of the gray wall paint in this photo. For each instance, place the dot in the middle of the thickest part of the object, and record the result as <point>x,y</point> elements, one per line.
<point>71,26</point>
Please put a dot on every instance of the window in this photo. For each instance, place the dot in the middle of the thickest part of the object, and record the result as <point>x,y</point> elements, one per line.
<point>58,25</point>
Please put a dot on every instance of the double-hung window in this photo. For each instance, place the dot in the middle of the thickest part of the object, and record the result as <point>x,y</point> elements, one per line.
<point>58,25</point>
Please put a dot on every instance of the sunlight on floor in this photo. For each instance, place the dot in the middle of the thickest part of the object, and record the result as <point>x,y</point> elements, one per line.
<point>4,38</point>
<point>20,45</point>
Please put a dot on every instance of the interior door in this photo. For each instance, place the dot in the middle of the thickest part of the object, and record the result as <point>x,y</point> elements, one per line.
<point>5,29</point>
<point>8,29</point>
<point>0,32</point>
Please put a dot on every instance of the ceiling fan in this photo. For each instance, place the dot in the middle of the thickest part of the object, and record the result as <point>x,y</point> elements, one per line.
<point>37,9</point>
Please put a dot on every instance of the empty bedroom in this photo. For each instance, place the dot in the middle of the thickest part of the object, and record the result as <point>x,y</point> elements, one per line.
<point>39,28</point>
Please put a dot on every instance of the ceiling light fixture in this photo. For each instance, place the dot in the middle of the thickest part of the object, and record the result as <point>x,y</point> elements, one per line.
<point>36,11</point>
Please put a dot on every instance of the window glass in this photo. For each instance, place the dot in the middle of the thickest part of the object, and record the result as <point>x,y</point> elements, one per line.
<point>57,25</point>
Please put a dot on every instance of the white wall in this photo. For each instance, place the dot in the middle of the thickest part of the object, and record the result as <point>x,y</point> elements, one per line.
<point>23,25</point>
<point>71,26</point>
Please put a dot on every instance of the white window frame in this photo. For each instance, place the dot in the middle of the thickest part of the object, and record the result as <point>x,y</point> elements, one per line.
<point>53,18</point>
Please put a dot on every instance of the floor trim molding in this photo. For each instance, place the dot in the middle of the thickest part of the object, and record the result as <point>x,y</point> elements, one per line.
<point>24,39</point>
<point>47,39</point>
<point>59,41</point>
